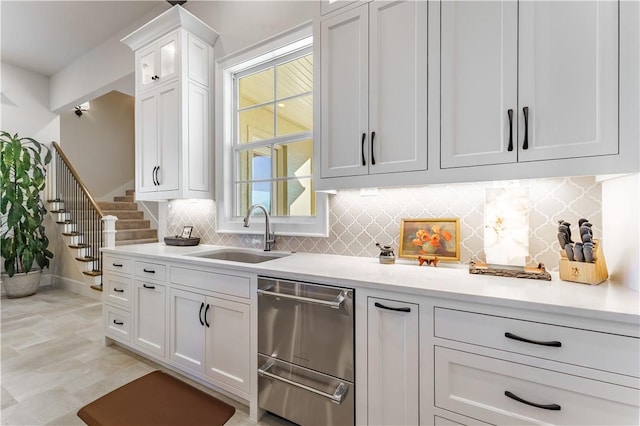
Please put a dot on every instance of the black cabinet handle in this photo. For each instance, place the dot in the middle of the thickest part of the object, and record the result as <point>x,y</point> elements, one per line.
<point>525,143</point>
<point>510,114</point>
<point>373,159</point>
<point>200,314</point>
<point>157,178</point>
<point>151,287</point>
<point>364,161</point>
<point>205,315</point>
<point>118,322</point>
<point>153,176</point>
<point>380,305</point>
<point>149,271</point>
<point>118,265</point>
<point>118,290</point>
<point>553,343</point>
<point>553,407</point>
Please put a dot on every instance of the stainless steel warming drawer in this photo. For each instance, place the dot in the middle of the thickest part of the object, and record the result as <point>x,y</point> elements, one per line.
<point>306,351</point>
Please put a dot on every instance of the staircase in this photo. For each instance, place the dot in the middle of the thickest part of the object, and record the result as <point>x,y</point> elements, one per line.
<point>131,226</point>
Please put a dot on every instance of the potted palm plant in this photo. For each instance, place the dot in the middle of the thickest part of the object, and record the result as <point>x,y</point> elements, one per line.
<point>23,241</point>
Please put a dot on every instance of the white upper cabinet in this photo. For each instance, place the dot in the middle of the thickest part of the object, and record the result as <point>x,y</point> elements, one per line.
<point>568,64</point>
<point>158,62</point>
<point>373,93</point>
<point>174,74</point>
<point>528,81</point>
<point>479,63</point>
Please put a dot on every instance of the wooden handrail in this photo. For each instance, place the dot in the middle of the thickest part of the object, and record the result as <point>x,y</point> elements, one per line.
<point>77,178</point>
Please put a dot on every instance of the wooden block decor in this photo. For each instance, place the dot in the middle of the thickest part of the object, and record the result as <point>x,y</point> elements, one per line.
<point>532,272</point>
<point>582,272</point>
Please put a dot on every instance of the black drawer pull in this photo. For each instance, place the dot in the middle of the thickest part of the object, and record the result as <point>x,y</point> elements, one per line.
<point>373,159</point>
<point>552,407</point>
<point>510,115</point>
<point>200,314</point>
<point>116,322</point>
<point>364,162</point>
<point>379,305</point>
<point>118,265</point>
<point>149,286</point>
<point>525,143</point>
<point>205,315</point>
<point>149,271</point>
<point>118,290</point>
<point>553,343</point>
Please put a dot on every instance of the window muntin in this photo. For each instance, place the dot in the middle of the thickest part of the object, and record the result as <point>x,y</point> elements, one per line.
<point>273,142</point>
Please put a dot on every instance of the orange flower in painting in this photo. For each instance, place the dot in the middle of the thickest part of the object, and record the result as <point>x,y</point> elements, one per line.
<point>446,235</point>
<point>435,240</point>
<point>435,229</point>
<point>416,242</point>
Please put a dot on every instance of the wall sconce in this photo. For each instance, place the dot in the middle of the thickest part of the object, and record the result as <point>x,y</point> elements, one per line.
<point>82,108</point>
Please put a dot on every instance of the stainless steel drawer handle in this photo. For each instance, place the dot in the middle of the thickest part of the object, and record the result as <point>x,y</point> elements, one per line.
<point>552,407</point>
<point>337,397</point>
<point>332,304</point>
<point>553,343</point>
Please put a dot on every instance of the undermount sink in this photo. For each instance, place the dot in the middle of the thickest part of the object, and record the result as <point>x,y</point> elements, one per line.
<point>240,255</point>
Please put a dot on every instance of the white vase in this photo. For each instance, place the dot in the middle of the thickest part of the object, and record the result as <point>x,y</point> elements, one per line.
<point>21,285</point>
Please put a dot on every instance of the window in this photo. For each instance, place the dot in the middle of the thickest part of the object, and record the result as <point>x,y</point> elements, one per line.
<point>265,124</point>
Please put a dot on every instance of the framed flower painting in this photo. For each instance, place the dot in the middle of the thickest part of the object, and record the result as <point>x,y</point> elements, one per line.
<point>430,237</point>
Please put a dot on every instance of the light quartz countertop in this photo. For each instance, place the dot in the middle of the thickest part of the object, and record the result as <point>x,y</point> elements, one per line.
<point>608,301</point>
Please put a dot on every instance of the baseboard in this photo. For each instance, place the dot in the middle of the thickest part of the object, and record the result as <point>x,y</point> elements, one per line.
<point>76,287</point>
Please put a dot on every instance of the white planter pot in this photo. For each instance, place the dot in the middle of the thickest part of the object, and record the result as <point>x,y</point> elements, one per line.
<point>21,285</point>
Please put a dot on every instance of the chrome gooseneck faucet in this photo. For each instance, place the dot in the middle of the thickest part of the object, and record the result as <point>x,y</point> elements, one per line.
<point>269,237</point>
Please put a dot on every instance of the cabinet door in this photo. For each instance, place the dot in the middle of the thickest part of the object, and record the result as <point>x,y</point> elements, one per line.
<point>149,317</point>
<point>169,132</point>
<point>398,86</point>
<point>393,370</point>
<point>227,342</point>
<point>478,82</point>
<point>146,142</point>
<point>344,90</point>
<point>568,79</point>
<point>186,329</point>
<point>198,178</point>
<point>157,63</point>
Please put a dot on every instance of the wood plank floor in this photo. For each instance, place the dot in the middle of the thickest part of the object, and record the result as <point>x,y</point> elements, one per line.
<point>53,362</point>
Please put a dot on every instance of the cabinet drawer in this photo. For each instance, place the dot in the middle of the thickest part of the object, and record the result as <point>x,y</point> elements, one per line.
<point>151,271</point>
<point>117,323</point>
<point>117,290</point>
<point>602,351</point>
<point>477,386</point>
<point>117,264</point>
<point>212,281</point>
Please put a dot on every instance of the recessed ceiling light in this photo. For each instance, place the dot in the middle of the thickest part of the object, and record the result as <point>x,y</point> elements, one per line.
<point>281,105</point>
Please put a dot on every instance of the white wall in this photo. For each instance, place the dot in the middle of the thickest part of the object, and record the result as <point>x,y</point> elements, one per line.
<point>100,143</point>
<point>243,23</point>
<point>621,228</point>
<point>107,67</point>
<point>25,105</point>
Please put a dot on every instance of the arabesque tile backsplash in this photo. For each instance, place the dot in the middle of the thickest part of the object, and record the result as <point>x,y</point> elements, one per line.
<point>356,222</point>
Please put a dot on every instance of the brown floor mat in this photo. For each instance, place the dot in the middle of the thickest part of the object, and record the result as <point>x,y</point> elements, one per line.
<point>156,399</point>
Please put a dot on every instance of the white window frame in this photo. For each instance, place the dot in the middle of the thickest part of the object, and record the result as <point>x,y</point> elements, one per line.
<point>226,67</point>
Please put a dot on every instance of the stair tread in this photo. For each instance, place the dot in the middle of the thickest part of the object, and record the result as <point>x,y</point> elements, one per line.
<point>92,273</point>
<point>86,259</point>
<point>97,287</point>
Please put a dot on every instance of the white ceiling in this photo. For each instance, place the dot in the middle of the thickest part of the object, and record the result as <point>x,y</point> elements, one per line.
<point>45,36</point>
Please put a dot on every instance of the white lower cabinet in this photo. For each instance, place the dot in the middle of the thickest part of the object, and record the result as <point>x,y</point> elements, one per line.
<point>392,351</point>
<point>502,392</point>
<point>149,317</point>
<point>210,335</point>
